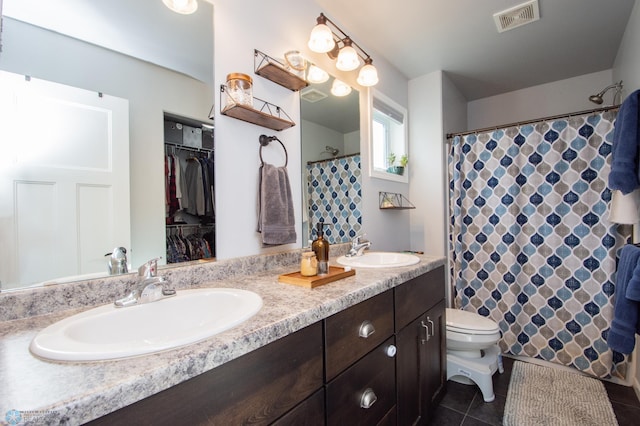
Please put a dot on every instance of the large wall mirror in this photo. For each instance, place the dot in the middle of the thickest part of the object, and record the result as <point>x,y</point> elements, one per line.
<point>148,61</point>
<point>331,169</point>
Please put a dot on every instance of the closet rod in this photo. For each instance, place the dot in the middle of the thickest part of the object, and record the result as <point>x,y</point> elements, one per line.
<point>520,123</point>
<point>189,148</point>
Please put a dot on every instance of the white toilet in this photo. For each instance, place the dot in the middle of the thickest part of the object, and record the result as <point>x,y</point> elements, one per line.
<point>473,355</point>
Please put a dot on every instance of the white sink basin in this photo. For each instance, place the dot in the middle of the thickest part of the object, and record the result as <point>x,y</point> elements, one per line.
<point>108,332</point>
<point>379,259</point>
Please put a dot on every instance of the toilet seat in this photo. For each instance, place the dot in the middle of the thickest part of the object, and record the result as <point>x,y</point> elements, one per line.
<point>469,323</point>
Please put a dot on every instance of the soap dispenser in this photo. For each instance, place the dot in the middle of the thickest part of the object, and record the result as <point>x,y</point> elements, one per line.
<point>321,248</point>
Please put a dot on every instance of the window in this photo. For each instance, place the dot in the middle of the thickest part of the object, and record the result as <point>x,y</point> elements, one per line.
<point>388,139</point>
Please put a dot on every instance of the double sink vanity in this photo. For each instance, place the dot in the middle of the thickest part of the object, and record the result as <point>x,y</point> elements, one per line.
<point>368,349</point>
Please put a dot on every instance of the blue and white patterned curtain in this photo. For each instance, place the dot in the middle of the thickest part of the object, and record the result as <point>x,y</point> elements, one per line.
<point>335,195</point>
<point>530,242</point>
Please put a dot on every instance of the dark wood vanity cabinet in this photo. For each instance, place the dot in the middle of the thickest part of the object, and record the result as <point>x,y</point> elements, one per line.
<point>359,367</point>
<point>420,338</point>
<point>380,362</point>
<point>256,389</point>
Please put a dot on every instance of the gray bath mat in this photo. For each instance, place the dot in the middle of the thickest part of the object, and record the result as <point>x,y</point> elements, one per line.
<point>542,396</point>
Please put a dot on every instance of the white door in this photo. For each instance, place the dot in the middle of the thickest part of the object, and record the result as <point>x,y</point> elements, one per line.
<point>64,180</point>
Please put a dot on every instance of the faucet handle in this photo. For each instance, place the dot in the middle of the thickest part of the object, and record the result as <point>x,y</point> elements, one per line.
<point>356,239</point>
<point>149,269</point>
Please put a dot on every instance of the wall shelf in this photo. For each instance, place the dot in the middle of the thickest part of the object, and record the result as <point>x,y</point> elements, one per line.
<point>274,70</point>
<point>263,113</point>
<point>391,200</point>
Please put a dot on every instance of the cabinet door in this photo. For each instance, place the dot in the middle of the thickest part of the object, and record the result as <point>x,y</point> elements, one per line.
<point>255,389</point>
<point>408,368</point>
<point>421,365</point>
<point>418,295</point>
<point>310,412</point>
<point>436,357</point>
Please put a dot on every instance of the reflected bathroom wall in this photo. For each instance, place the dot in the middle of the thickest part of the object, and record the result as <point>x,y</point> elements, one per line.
<point>30,49</point>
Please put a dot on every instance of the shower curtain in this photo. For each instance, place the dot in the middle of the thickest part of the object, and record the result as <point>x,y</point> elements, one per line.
<point>530,242</point>
<point>335,196</point>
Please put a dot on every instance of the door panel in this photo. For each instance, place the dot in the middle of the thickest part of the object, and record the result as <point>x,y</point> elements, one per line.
<point>64,180</point>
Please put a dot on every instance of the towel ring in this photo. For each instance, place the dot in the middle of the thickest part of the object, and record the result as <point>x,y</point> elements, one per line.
<point>265,140</point>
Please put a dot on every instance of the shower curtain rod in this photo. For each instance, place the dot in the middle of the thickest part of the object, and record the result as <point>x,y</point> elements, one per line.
<point>332,158</point>
<point>520,123</point>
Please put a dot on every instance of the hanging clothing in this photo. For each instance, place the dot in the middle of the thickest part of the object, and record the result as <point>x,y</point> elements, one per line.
<point>530,244</point>
<point>195,187</point>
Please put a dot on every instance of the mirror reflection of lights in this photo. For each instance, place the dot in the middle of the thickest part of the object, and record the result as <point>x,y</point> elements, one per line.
<point>340,88</point>
<point>317,75</point>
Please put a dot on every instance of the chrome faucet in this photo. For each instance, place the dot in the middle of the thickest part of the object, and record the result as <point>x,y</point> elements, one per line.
<point>358,247</point>
<point>149,289</point>
<point>118,261</point>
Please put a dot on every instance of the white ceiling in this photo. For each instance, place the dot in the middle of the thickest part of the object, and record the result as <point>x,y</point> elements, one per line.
<point>572,37</point>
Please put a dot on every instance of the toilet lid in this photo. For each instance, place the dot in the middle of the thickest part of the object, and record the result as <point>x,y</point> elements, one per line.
<point>470,323</point>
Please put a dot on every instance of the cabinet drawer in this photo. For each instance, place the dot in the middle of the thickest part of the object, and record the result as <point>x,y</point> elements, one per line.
<point>345,332</point>
<point>418,295</point>
<point>374,375</point>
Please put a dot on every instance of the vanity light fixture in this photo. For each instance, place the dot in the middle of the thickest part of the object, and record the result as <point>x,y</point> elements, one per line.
<point>368,75</point>
<point>184,7</point>
<point>335,43</point>
<point>340,88</point>
<point>321,40</point>
<point>348,59</point>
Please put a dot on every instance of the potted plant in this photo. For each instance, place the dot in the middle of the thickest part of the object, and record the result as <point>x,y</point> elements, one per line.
<point>396,169</point>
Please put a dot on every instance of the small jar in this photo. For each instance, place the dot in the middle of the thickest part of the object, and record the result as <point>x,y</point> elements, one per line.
<point>308,264</point>
<point>239,90</point>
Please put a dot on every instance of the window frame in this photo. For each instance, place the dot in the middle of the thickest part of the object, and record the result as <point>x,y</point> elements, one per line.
<point>402,135</point>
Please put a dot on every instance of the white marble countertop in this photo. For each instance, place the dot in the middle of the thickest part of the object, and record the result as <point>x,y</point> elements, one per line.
<point>46,392</point>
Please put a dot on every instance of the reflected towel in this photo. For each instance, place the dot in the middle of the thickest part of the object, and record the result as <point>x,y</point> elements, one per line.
<point>621,337</point>
<point>276,220</point>
<point>626,145</point>
<point>624,207</point>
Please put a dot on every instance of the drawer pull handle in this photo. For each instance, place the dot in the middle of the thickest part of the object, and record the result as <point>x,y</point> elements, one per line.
<point>426,332</point>
<point>368,398</point>
<point>366,329</point>
<point>433,327</point>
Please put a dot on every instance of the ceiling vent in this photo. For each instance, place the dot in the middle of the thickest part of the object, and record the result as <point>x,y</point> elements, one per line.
<point>313,95</point>
<point>517,16</point>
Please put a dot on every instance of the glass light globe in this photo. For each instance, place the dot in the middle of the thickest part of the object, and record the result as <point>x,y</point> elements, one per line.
<point>347,58</point>
<point>368,75</point>
<point>340,88</point>
<point>317,75</point>
<point>321,39</point>
<point>185,7</point>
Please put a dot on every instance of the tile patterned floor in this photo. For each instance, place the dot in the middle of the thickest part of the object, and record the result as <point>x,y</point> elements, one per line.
<point>463,404</point>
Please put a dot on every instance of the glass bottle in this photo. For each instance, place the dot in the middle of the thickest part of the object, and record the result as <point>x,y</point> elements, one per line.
<point>239,90</point>
<point>308,264</point>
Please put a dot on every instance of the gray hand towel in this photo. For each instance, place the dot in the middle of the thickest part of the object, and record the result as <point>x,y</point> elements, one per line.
<point>276,220</point>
